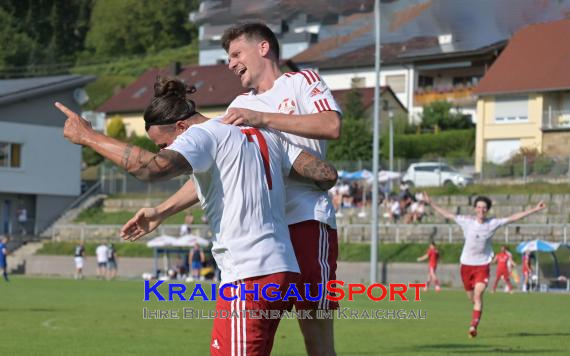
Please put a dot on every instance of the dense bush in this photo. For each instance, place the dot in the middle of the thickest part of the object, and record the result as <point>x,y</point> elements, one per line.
<point>438,115</point>
<point>536,163</point>
<point>144,142</point>
<point>90,157</point>
<point>442,144</point>
<point>116,128</point>
<point>497,170</point>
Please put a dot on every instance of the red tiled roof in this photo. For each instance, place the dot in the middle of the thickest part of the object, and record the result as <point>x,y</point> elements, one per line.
<point>536,59</point>
<point>217,86</point>
<point>367,96</point>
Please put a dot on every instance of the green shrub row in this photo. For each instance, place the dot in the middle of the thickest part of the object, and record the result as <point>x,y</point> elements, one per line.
<point>349,252</point>
<point>452,143</point>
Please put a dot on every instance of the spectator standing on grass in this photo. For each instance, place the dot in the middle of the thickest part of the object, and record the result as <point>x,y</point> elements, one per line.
<point>3,257</point>
<point>111,262</point>
<point>22,215</point>
<point>79,255</point>
<point>185,228</point>
<point>102,258</point>
<point>197,258</point>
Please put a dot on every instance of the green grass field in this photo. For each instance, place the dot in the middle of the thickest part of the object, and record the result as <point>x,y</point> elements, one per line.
<point>91,317</point>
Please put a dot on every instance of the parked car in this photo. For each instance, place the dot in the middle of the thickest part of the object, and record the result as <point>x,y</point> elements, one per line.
<point>435,174</point>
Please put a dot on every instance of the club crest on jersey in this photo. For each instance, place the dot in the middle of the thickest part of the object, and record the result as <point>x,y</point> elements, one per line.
<point>287,106</point>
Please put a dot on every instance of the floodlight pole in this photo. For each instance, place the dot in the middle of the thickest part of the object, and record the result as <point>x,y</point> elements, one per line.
<point>375,152</point>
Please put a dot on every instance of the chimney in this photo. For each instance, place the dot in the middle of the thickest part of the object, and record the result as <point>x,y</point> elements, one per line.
<point>445,39</point>
<point>175,68</point>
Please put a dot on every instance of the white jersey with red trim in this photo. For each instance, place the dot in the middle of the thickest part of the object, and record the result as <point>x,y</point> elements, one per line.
<point>478,249</point>
<point>238,173</point>
<point>298,93</point>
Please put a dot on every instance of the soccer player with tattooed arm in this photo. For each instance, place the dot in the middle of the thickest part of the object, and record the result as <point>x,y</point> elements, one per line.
<point>301,106</point>
<point>238,175</point>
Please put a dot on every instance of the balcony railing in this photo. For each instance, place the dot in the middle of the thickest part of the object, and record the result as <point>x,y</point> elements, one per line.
<point>555,119</point>
<point>458,95</point>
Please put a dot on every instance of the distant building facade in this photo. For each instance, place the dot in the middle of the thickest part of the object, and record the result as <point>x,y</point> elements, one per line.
<point>39,169</point>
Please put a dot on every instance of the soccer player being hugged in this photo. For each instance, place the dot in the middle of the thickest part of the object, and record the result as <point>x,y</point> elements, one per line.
<point>238,175</point>
<point>432,254</point>
<point>503,260</point>
<point>477,253</point>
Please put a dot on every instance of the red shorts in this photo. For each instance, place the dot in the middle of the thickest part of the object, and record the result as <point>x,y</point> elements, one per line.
<point>242,334</point>
<point>502,273</point>
<point>316,248</point>
<point>470,275</point>
<point>432,268</point>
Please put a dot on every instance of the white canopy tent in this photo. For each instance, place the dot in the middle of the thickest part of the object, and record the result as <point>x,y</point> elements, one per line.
<point>189,241</point>
<point>162,243</point>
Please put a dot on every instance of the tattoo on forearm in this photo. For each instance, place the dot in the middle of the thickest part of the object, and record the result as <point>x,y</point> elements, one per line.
<point>164,165</point>
<point>322,173</point>
<point>127,155</point>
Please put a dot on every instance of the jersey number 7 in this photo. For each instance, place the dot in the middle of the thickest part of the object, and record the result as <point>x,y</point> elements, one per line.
<point>263,149</point>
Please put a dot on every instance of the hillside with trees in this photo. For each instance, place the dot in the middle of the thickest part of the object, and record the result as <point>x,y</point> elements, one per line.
<point>114,40</point>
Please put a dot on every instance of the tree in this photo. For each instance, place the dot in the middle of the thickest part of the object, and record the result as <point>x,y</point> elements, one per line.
<point>16,46</point>
<point>55,31</point>
<point>116,128</point>
<point>355,142</point>
<point>353,107</point>
<point>437,115</point>
<point>133,27</point>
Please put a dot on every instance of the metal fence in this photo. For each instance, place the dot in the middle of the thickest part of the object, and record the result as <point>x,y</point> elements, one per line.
<point>116,181</point>
<point>74,232</point>
<point>450,233</point>
<point>523,169</point>
<point>355,233</point>
<point>519,169</point>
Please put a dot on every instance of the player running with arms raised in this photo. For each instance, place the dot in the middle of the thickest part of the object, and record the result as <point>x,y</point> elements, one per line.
<point>477,253</point>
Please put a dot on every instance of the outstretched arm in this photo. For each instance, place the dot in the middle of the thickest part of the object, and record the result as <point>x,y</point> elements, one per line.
<point>147,220</point>
<point>446,214</point>
<point>309,167</point>
<point>422,258</point>
<point>141,163</point>
<point>323,125</point>
<point>523,214</point>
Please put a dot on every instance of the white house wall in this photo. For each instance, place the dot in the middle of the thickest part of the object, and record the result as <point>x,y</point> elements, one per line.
<point>50,164</point>
<point>212,56</point>
<point>342,79</point>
